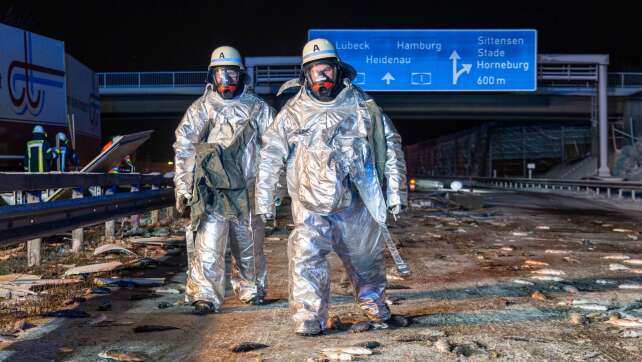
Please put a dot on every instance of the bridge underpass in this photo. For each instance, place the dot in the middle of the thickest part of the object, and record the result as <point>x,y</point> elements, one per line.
<point>566,93</point>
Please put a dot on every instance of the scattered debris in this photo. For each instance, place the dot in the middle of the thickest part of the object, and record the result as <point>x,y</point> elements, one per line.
<point>635,333</point>
<point>570,289</point>
<point>633,261</point>
<point>398,321</point>
<point>630,286</point>
<point>543,227</point>
<point>535,263</point>
<point>338,356</point>
<point>595,307</point>
<point>568,259</point>
<point>94,268</point>
<point>519,234</point>
<point>369,344</point>
<point>353,350</point>
<point>15,277</point>
<point>605,282</point>
<point>360,327</point>
<point>246,347</point>
<point>549,272</point>
<point>628,322</point>
<point>506,248</point>
<point>394,277</point>
<point>152,328</point>
<point>522,282</point>
<point>123,356</point>
<point>397,286</point>
<point>616,257</point>
<point>166,291</point>
<point>394,300</point>
<point>113,248</point>
<point>577,319</point>
<point>465,350</point>
<point>617,267</point>
<point>537,295</point>
<point>443,345</point>
<point>618,230</point>
<point>591,355</point>
<point>130,282</point>
<point>67,313</point>
<point>8,338</point>
<point>556,251</point>
<point>547,278</point>
<point>11,291</point>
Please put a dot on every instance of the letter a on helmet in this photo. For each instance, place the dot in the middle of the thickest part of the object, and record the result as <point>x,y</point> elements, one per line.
<point>226,55</point>
<point>318,49</point>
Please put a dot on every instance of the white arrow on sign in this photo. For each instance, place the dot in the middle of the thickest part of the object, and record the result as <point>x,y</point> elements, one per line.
<point>454,56</point>
<point>388,77</point>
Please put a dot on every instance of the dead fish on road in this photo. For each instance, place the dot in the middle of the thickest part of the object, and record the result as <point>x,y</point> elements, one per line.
<point>547,278</point>
<point>549,272</point>
<point>153,328</point>
<point>353,350</point>
<point>123,357</point>
<point>247,346</point>
<point>616,257</point>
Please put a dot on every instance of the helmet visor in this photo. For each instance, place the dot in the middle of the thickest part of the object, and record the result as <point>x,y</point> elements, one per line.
<point>320,72</point>
<point>226,76</point>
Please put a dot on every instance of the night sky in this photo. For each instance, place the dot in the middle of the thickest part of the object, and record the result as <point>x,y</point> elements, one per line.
<point>179,35</point>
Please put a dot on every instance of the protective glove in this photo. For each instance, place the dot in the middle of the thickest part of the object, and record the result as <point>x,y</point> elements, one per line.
<point>267,217</point>
<point>395,210</point>
<point>181,203</point>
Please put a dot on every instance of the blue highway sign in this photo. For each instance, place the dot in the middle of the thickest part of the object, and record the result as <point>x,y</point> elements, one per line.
<point>438,60</point>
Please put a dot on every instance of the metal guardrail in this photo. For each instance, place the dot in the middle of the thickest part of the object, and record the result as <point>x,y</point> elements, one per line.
<point>24,222</point>
<point>621,190</point>
<point>35,219</point>
<point>151,79</point>
<point>625,79</point>
<point>26,181</point>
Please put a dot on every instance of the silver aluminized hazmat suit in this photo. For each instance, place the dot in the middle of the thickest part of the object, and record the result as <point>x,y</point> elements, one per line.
<point>215,120</point>
<point>337,201</point>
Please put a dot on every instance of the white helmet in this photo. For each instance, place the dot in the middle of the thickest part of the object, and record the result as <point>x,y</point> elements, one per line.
<point>60,136</point>
<point>38,129</point>
<point>226,55</point>
<point>318,49</point>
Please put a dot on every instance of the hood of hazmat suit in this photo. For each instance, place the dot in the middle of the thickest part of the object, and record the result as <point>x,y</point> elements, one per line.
<point>337,199</point>
<point>215,124</point>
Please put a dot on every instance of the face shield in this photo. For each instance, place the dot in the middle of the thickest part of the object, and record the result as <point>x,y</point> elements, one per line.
<point>226,80</point>
<point>321,78</point>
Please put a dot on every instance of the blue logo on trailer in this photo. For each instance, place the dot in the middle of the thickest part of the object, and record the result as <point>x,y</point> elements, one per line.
<point>438,60</point>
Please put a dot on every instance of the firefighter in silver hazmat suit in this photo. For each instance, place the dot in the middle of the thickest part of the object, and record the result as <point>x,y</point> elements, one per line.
<point>218,117</point>
<point>323,135</point>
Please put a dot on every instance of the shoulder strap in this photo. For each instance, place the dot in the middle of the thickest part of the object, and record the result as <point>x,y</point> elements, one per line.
<point>377,139</point>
